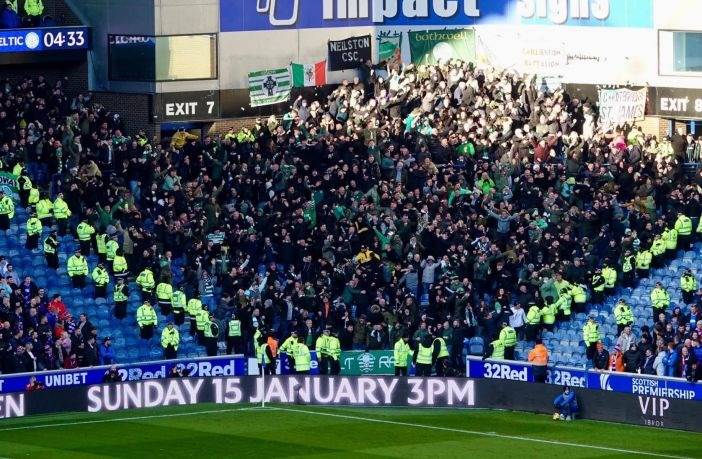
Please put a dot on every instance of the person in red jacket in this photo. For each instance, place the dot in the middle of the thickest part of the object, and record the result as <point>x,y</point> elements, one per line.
<point>58,307</point>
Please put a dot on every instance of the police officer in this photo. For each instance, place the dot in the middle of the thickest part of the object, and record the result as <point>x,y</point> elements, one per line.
<point>683,225</point>
<point>101,246</point>
<point>164,295</point>
<point>548,313</point>
<point>234,344</point>
<point>610,276</point>
<point>77,267</point>
<point>598,286</point>
<point>628,264</point>
<point>334,348</point>
<point>508,336</point>
<point>265,357</point>
<point>119,265</point>
<point>643,263</point>
<point>202,319</point>
<point>423,357</point>
<point>440,355</point>
<point>533,320</point>
<point>111,249</point>
<point>7,211</point>
<point>170,339</point>
<point>577,292</point>
<point>671,244</point>
<point>34,229</point>
<point>323,356</point>
<point>302,357</point>
<point>85,233</point>
<point>688,285</point>
<point>622,315</point>
<point>660,299</point>
<point>120,297</point>
<point>288,348</point>
<point>24,185</point>
<point>145,281</point>
<point>658,251</point>
<point>178,304</point>
<point>101,278</point>
<point>61,214</point>
<point>211,334</point>
<point>147,320</point>
<point>591,335</point>
<point>401,353</point>
<point>45,209</point>
<point>495,350</point>
<point>51,250</point>
<point>193,308</point>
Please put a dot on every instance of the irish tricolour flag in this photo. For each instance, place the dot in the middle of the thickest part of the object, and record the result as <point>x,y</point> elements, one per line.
<point>309,74</point>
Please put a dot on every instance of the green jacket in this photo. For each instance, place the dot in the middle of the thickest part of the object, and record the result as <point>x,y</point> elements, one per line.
<point>77,266</point>
<point>100,276</point>
<point>146,316</point>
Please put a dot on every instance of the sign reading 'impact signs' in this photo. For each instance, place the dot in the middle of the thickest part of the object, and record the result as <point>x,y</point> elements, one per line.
<point>349,53</point>
<point>619,106</point>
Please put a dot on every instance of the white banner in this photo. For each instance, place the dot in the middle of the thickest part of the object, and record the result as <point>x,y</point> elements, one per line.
<point>619,106</point>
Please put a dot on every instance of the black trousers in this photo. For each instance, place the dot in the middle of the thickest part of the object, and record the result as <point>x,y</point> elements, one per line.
<point>267,369</point>
<point>51,260</point>
<point>509,353</point>
<point>591,349</point>
<point>32,241</point>
<point>169,352</point>
<point>234,345</point>
<point>324,365</point>
<point>85,248</point>
<point>532,331</point>
<point>78,281</point>
<point>334,367</point>
<point>423,369</point>
<point>146,332</point>
<point>400,371</point>
<point>441,366</point>
<point>688,298</point>
<point>178,316</point>
<point>62,224</point>
<point>100,291</point>
<point>539,373</point>
<point>210,346</point>
<point>120,309</point>
<point>165,306</point>
<point>24,197</point>
<point>628,278</point>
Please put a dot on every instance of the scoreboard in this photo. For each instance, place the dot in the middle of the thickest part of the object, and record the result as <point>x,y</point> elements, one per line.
<point>44,39</point>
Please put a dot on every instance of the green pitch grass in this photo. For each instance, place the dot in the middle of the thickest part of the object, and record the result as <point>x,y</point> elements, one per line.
<point>206,431</point>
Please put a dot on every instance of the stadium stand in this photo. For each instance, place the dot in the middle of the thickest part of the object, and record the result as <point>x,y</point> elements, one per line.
<point>421,222</point>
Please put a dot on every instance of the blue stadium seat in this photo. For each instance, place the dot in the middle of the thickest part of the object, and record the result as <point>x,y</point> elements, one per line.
<point>476,346</point>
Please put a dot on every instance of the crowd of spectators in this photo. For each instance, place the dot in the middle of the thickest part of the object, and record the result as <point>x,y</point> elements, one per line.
<point>438,199</point>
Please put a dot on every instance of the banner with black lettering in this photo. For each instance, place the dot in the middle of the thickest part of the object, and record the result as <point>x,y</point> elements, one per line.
<point>619,106</point>
<point>349,53</point>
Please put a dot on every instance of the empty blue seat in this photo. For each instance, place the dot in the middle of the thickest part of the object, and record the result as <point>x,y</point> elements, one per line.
<point>476,346</point>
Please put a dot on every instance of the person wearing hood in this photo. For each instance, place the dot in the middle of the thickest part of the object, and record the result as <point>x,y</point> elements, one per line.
<point>632,359</point>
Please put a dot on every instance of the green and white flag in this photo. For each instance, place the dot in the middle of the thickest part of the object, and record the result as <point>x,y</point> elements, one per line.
<point>389,45</point>
<point>431,46</point>
<point>268,87</point>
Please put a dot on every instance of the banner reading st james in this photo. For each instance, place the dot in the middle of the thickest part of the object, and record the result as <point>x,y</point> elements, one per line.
<point>431,46</point>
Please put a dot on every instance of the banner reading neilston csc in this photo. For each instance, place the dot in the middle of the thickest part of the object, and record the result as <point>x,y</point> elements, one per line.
<point>349,53</point>
<point>431,46</point>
